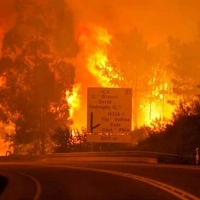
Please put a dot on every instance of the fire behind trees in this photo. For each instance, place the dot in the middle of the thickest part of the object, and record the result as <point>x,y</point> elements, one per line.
<point>180,137</point>
<point>35,72</point>
<point>34,64</point>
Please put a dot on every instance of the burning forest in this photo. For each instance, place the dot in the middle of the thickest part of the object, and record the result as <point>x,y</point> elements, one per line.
<point>51,52</point>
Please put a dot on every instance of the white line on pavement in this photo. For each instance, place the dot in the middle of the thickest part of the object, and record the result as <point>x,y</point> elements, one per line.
<point>182,195</point>
<point>38,186</point>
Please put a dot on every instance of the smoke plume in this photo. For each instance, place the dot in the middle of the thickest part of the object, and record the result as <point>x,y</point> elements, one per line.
<point>155,19</point>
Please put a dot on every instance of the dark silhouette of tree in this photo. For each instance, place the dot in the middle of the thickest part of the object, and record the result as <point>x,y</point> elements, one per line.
<point>181,136</point>
<point>37,74</point>
<point>186,125</point>
<point>62,138</point>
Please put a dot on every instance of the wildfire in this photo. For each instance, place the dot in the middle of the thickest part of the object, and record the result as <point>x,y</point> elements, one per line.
<point>94,44</point>
<point>2,81</point>
<point>1,38</point>
<point>94,64</point>
<point>156,106</point>
<point>8,128</point>
<point>73,99</point>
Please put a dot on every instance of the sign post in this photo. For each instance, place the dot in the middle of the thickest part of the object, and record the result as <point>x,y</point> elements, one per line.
<point>109,112</point>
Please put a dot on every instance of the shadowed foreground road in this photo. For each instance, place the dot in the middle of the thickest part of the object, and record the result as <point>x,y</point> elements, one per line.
<point>57,183</point>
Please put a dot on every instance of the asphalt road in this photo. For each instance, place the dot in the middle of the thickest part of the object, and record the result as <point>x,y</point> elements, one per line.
<point>58,179</point>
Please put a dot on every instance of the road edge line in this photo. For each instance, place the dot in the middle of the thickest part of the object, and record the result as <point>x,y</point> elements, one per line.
<point>168,188</point>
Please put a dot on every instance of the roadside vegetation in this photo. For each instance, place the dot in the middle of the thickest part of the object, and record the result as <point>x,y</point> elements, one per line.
<point>181,136</point>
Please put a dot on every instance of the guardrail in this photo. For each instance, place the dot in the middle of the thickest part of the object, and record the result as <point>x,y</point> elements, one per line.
<point>21,158</point>
<point>125,156</point>
<point>111,156</point>
<point>111,153</point>
<point>160,157</point>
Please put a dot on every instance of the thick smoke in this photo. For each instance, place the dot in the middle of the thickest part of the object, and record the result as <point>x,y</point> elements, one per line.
<point>7,14</point>
<point>7,17</point>
<point>156,19</point>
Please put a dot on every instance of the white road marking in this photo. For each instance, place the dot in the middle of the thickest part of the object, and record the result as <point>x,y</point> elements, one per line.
<point>38,186</point>
<point>182,195</point>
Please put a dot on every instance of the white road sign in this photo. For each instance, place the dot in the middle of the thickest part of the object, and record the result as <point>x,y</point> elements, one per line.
<point>109,138</point>
<point>109,110</point>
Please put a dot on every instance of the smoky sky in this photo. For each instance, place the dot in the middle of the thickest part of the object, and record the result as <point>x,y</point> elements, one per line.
<point>7,14</point>
<point>156,19</point>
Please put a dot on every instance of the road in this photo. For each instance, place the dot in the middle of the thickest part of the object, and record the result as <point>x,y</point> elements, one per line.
<point>61,179</point>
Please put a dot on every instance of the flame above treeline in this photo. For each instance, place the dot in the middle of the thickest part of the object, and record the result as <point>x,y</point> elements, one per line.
<point>95,42</point>
<point>96,67</point>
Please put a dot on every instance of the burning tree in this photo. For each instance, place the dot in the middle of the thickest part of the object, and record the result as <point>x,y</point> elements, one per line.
<point>185,64</point>
<point>37,72</point>
<point>144,70</point>
<point>125,60</point>
<point>131,52</point>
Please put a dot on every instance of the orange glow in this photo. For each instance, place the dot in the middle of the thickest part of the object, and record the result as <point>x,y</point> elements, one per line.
<point>95,42</point>
<point>96,65</point>
<point>8,128</point>
<point>156,106</point>
<point>2,81</point>
<point>93,70</point>
<point>1,39</point>
<point>73,99</point>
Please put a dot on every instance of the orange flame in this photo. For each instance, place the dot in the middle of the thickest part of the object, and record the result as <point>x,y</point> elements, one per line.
<point>94,65</point>
<point>156,105</point>
<point>94,43</point>
<point>8,128</point>
<point>73,99</point>
<point>2,81</point>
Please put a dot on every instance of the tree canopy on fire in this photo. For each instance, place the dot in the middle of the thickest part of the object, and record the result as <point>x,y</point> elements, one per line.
<point>36,71</point>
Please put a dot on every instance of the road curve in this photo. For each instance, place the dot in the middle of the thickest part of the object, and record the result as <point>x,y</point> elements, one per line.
<point>183,179</point>
<point>42,182</point>
<point>180,178</point>
<point>20,185</point>
<point>181,194</point>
